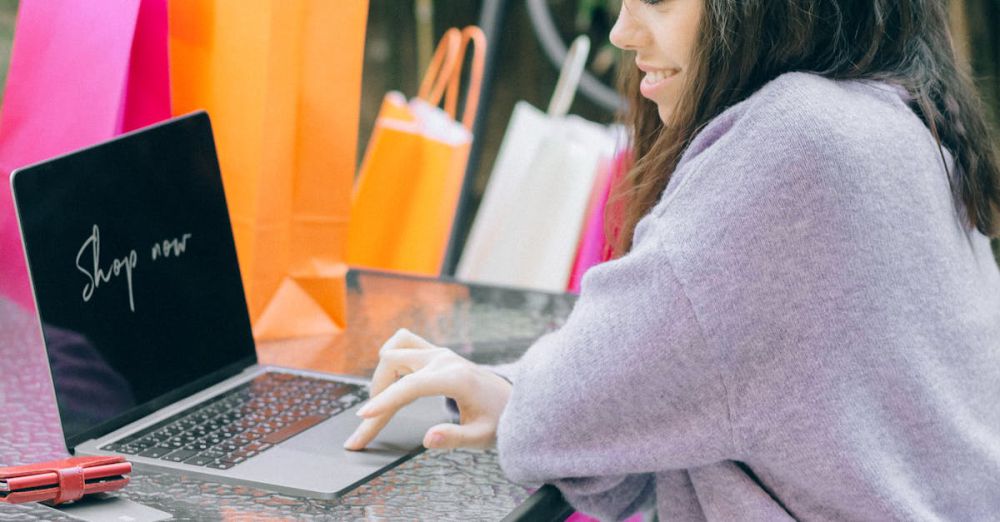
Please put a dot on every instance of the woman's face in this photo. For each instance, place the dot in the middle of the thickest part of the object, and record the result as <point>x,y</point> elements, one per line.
<point>663,34</point>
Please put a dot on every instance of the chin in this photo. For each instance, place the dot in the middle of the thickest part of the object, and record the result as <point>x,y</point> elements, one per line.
<point>665,113</point>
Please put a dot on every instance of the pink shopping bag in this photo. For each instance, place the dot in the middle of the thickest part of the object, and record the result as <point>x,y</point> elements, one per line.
<point>594,247</point>
<point>80,73</point>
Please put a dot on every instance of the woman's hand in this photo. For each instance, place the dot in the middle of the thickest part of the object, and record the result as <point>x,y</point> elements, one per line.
<point>411,368</point>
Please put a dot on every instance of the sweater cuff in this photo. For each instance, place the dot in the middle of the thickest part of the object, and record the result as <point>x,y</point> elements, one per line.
<point>506,371</point>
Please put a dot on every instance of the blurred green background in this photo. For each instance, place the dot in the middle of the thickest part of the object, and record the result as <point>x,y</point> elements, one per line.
<point>8,12</point>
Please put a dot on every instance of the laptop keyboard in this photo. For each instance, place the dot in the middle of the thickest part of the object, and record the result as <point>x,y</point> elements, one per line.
<point>242,422</point>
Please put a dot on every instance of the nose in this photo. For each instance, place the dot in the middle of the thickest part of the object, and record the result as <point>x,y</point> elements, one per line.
<point>625,33</point>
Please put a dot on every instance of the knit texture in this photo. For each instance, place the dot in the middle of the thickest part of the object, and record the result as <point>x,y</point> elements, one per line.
<point>805,328</point>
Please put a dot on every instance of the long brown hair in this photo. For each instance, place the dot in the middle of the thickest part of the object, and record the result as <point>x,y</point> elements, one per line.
<point>744,44</point>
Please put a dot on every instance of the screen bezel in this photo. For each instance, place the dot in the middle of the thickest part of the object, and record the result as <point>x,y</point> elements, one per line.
<point>198,119</point>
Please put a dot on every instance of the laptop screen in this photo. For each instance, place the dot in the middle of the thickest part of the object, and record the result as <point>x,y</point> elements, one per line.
<point>135,274</point>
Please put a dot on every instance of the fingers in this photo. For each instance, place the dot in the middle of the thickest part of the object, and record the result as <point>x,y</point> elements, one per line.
<point>396,363</point>
<point>410,368</point>
<point>404,338</point>
<point>404,391</point>
<point>404,352</point>
<point>381,408</point>
<point>367,431</point>
<point>451,436</point>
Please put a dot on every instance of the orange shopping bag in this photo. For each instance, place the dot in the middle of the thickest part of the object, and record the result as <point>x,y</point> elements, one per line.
<point>407,192</point>
<point>282,83</point>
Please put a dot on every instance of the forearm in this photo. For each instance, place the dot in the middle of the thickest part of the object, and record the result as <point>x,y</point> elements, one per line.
<point>625,389</point>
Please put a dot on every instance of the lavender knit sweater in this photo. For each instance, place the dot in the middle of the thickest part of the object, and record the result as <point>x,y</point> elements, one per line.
<point>804,329</point>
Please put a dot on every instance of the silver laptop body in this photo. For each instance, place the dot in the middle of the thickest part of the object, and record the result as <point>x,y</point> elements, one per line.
<point>137,285</point>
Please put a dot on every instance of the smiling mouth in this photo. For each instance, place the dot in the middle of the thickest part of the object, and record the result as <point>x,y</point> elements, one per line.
<point>655,77</point>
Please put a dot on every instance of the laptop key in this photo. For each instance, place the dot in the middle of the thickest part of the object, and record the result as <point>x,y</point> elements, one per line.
<point>329,411</point>
<point>180,455</point>
<point>234,459</point>
<point>243,453</point>
<point>199,445</point>
<point>156,452</point>
<point>214,453</point>
<point>219,465</point>
<point>175,443</point>
<point>261,430</point>
<point>199,460</point>
<point>140,445</point>
<point>294,429</point>
<point>228,447</point>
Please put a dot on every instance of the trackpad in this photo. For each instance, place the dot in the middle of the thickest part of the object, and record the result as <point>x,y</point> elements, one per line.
<point>404,433</point>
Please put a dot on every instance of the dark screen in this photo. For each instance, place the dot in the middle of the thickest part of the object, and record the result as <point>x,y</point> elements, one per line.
<point>134,269</point>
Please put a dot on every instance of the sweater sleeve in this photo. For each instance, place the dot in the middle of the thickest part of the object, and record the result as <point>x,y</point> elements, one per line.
<point>626,388</point>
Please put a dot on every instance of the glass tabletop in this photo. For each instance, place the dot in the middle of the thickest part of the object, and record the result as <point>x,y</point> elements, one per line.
<point>488,325</point>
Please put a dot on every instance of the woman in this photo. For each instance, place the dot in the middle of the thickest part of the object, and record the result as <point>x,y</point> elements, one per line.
<point>805,318</point>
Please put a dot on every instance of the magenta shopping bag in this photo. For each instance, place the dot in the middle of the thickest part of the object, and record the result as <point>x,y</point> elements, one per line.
<point>80,73</point>
<point>594,248</point>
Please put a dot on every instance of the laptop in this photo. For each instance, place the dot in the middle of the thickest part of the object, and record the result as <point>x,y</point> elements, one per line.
<point>135,277</point>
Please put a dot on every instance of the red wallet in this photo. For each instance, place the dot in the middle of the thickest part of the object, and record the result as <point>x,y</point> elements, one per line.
<point>61,481</point>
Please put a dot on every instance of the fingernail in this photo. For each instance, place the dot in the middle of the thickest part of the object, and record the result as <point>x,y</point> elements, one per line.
<point>365,410</point>
<point>351,441</point>
<point>436,440</point>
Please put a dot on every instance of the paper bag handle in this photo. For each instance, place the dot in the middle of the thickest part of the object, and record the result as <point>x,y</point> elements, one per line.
<point>569,76</point>
<point>441,68</point>
<point>475,36</point>
<point>444,73</point>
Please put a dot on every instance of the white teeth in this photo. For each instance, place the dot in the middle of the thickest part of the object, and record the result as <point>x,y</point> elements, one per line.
<point>658,76</point>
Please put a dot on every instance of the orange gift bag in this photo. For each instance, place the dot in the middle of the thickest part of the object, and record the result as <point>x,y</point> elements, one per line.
<point>407,192</point>
<point>282,83</point>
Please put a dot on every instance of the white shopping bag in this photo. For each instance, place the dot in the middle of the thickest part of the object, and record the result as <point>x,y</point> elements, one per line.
<point>528,226</point>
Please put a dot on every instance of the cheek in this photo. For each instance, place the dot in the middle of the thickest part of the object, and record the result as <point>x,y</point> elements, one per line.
<point>674,45</point>
<point>681,44</point>
<point>681,36</point>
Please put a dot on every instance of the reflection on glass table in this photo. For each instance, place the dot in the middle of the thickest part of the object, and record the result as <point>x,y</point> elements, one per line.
<point>488,325</point>
<point>485,324</point>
